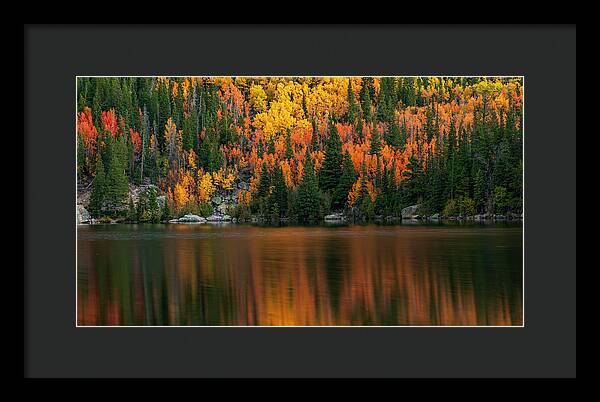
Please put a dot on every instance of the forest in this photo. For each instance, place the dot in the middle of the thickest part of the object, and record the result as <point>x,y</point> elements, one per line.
<point>299,148</point>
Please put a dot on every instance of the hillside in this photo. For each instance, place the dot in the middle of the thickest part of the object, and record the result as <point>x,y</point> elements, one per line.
<point>298,149</point>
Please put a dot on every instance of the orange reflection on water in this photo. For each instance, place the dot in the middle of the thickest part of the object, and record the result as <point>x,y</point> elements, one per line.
<point>295,276</point>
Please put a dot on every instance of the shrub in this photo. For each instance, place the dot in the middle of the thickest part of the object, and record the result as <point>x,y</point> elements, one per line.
<point>463,206</point>
<point>501,199</point>
<point>205,209</point>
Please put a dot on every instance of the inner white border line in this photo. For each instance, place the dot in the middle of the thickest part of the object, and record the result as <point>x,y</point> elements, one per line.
<point>315,326</point>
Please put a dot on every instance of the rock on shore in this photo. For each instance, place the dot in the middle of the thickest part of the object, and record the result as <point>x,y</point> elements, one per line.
<point>83,216</point>
<point>189,218</point>
<point>335,217</point>
<point>410,212</point>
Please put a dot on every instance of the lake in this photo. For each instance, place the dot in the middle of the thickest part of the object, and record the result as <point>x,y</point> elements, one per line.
<point>375,275</point>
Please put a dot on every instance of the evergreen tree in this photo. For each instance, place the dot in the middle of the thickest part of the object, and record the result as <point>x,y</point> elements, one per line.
<point>163,112</point>
<point>271,145</point>
<point>309,208</point>
<point>330,173</point>
<point>366,207</point>
<point>347,179</point>
<point>265,182</point>
<point>315,140</point>
<point>394,136</point>
<point>98,189</point>
<point>117,184</point>
<point>365,102</point>
<point>280,193</point>
<point>375,141</point>
<point>153,206</point>
<point>352,105</point>
<point>412,189</point>
<point>260,149</point>
<point>166,211</point>
<point>289,152</point>
<point>131,212</point>
<point>210,156</point>
<point>386,102</point>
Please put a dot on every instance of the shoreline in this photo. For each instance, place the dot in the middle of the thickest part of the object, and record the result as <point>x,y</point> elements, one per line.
<point>382,222</point>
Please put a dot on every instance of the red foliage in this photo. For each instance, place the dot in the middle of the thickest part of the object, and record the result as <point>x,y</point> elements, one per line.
<point>109,120</point>
<point>136,140</point>
<point>86,129</point>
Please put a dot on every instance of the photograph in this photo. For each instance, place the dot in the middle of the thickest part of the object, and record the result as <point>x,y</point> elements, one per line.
<point>299,201</point>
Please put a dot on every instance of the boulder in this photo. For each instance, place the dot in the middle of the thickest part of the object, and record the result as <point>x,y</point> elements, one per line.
<point>190,218</point>
<point>435,217</point>
<point>335,217</point>
<point>83,216</point>
<point>217,199</point>
<point>213,218</point>
<point>226,218</point>
<point>410,212</point>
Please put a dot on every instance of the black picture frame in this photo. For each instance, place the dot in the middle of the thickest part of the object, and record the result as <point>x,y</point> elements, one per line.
<point>55,54</point>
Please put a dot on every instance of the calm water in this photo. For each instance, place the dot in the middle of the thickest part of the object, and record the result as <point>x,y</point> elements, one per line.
<point>351,275</point>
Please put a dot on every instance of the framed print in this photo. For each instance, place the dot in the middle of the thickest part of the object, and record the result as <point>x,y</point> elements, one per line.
<point>299,201</point>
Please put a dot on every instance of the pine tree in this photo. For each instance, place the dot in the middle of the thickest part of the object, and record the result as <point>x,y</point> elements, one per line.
<point>289,152</point>
<point>117,184</point>
<point>375,141</point>
<point>260,149</point>
<point>347,179</point>
<point>280,193</point>
<point>386,102</point>
<point>271,145</point>
<point>153,206</point>
<point>393,135</point>
<point>309,209</point>
<point>365,100</point>
<point>330,173</point>
<point>364,202</point>
<point>166,211</point>
<point>163,111</point>
<point>98,189</point>
<point>131,212</point>
<point>352,105</point>
<point>265,182</point>
<point>315,140</point>
<point>210,156</point>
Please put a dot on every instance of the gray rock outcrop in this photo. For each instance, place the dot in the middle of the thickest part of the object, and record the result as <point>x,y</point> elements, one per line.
<point>190,218</point>
<point>410,212</point>
<point>83,216</point>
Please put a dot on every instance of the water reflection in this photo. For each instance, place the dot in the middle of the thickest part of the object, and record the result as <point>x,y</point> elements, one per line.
<point>244,275</point>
